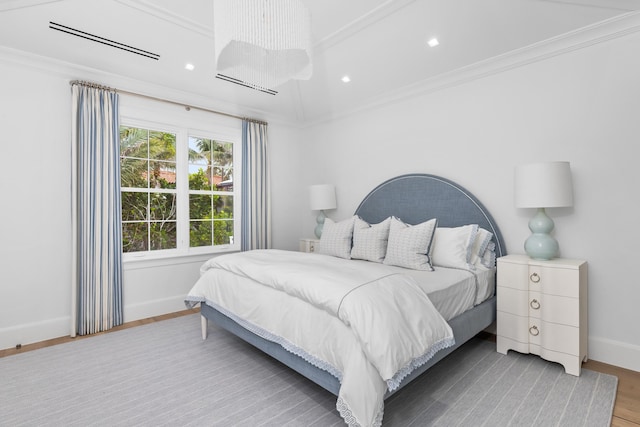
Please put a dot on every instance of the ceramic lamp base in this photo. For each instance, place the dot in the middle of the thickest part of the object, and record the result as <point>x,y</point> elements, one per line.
<point>540,245</point>
<point>320,220</point>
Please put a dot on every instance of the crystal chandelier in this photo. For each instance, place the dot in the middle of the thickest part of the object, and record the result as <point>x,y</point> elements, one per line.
<point>262,43</point>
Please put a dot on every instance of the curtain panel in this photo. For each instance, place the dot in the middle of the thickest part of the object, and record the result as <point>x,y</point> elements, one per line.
<point>256,190</point>
<point>97,224</point>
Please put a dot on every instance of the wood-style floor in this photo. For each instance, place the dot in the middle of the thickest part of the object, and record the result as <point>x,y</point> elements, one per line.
<point>626,412</point>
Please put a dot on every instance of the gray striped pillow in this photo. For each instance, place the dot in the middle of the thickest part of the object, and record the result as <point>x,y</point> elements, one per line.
<point>336,238</point>
<point>370,240</point>
<point>409,245</point>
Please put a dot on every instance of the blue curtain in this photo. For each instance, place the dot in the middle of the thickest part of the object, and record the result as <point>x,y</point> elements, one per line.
<point>256,191</point>
<point>97,271</point>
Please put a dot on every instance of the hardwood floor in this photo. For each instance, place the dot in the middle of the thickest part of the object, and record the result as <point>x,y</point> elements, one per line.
<point>626,412</point>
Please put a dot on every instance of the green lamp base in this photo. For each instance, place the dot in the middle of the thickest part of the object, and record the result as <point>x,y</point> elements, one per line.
<point>540,245</point>
<point>320,220</point>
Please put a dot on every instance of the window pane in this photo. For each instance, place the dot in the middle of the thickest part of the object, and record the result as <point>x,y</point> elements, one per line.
<point>133,142</point>
<point>135,237</point>
<point>199,164</point>
<point>200,233</point>
<point>133,173</point>
<point>223,232</point>
<point>163,175</point>
<point>163,235</point>
<point>162,146</point>
<point>200,206</point>
<point>134,206</point>
<point>223,207</point>
<point>162,206</point>
<point>222,159</point>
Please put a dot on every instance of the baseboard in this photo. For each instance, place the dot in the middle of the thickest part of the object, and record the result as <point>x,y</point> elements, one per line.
<point>153,308</point>
<point>614,353</point>
<point>29,333</point>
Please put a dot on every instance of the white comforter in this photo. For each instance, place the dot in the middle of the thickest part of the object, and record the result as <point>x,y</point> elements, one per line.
<point>377,326</point>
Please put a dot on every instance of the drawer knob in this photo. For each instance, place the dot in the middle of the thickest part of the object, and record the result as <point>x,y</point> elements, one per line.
<point>534,331</point>
<point>535,304</point>
<point>534,278</point>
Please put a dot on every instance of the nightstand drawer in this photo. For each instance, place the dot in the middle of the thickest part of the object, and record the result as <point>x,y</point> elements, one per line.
<point>551,336</point>
<point>513,301</point>
<point>554,281</point>
<point>512,326</point>
<point>555,309</point>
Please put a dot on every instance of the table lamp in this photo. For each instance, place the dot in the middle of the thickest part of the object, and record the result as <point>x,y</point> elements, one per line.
<point>322,197</point>
<point>543,185</point>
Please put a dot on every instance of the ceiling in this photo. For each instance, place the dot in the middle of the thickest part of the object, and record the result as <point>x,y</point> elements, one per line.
<point>380,44</point>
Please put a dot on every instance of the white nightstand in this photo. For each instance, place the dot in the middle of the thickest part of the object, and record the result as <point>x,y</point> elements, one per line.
<point>542,309</point>
<point>309,245</point>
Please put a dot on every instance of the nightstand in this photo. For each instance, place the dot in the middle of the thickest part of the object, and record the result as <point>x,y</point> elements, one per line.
<point>542,309</point>
<point>309,245</point>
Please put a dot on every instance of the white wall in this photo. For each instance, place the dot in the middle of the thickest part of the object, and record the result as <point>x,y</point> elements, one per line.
<point>35,206</point>
<point>582,106</point>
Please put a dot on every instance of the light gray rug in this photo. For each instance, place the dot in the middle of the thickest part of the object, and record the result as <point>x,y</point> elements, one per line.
<point>163,374</point>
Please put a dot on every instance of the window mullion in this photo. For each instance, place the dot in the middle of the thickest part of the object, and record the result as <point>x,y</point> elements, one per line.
<point>182,164</point>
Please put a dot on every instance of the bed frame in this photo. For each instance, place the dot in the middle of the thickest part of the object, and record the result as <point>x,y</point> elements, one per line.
<point>413,198</point>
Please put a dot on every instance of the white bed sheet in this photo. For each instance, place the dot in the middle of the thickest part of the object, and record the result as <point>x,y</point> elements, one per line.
<point>452,291</point>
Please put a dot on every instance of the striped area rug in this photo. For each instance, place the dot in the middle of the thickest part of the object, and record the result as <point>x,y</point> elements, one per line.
<point>163,374</point>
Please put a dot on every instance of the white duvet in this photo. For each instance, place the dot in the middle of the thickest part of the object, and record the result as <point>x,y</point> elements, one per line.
<point>366,325</point>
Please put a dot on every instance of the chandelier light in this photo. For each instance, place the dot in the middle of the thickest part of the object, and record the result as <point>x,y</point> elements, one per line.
<point>262,43</point>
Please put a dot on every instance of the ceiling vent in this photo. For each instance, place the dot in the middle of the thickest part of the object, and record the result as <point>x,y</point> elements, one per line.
<point>102,40</point>
<point>245,84</point>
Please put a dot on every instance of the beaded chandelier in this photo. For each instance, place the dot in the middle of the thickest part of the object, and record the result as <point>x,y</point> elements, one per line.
<point>262,43</point>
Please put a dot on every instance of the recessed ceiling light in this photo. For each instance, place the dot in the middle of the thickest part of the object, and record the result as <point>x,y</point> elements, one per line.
<point>433,42</point>
<point>189,67</point>
<point>346,79</point>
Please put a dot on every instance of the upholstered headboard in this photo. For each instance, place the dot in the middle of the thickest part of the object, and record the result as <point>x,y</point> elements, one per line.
<point>415,198</point>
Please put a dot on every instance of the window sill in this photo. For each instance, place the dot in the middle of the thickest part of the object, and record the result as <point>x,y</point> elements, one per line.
<point>132,262</point>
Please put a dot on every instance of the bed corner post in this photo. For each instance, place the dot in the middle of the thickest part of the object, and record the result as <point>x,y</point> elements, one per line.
<point>203,326</point>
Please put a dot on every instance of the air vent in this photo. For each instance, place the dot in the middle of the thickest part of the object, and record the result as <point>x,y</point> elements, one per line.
<point>245,84</point>
<point>102,40</point>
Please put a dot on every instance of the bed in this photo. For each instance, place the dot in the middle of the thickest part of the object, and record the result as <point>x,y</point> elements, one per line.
<point>413,199</point>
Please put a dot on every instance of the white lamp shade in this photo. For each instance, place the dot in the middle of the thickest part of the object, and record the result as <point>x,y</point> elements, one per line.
<point>322,196</point>
<point>543,185</point>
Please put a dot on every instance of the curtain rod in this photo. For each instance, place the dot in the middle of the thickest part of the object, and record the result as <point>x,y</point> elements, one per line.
<point>168,101</point>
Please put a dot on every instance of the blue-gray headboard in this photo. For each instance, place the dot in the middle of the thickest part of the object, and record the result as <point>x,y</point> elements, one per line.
<point>415,198</point>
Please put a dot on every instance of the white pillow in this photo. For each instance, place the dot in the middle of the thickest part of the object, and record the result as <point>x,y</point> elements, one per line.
<point>336,238</point>
<point>483,237</point>
<point>488,259</point>
<point>452,246</point>
<point>409,245</point>
<point>370,240</point>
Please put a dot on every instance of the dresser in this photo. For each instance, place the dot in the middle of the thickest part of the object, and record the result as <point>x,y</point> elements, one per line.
<point>542,309</point>
<point>309,245</point>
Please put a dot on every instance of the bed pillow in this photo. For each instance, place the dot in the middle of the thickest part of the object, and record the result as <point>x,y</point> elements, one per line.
<point>483,237</point>
<point>370,240</point>
<point>488,259</point>
<point>336,238</point>
<point>409,245</point>
<point>452,246</point>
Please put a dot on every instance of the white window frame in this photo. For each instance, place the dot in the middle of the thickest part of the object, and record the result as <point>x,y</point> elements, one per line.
<point>184,124</point>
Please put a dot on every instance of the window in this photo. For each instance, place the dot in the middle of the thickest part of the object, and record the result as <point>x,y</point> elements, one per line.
<point>149,196</point>
<point>210,192</point>
<point>178,192</point>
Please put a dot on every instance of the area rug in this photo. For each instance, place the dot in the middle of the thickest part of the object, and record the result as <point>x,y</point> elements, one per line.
<point>164,374</point>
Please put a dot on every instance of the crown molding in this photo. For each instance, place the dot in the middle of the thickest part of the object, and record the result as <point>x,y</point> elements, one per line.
<point>6,5</point>
<point>601,32</point>
<point>165,14</point>
<point>626,5</point>
<point>357,25</point>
